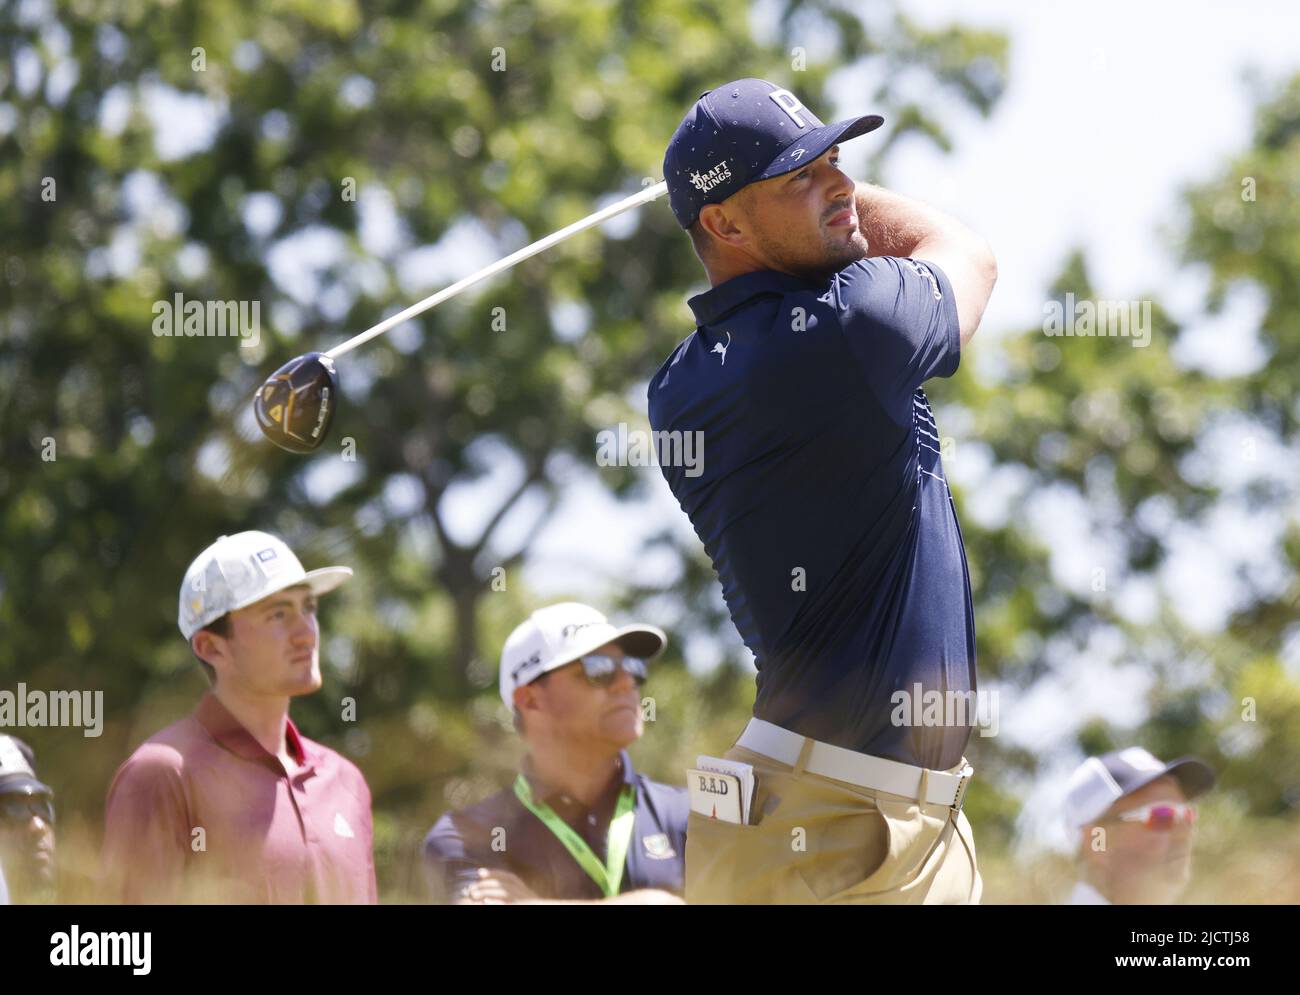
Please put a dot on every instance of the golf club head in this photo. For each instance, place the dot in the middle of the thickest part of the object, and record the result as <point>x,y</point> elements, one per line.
<point>295,406</point>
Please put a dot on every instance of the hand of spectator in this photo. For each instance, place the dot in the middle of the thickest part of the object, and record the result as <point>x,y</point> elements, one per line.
<point>494,887</point>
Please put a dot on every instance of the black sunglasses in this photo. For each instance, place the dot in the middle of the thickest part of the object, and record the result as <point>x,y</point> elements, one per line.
<point>20,808</point>
<point>601,671</point>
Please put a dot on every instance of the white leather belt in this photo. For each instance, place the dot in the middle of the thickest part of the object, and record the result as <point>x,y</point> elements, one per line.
<point>864,770</point>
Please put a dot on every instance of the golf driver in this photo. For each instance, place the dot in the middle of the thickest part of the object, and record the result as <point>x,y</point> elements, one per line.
<point>295,406</point>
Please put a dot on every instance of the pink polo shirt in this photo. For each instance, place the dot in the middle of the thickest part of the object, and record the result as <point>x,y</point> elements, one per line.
<point>267,837</point>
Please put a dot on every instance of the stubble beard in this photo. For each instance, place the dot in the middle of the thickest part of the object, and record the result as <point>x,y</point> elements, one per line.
<point>834,253</point>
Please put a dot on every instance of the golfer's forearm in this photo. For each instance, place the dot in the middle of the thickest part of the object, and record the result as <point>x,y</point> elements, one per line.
<point>895,225</point>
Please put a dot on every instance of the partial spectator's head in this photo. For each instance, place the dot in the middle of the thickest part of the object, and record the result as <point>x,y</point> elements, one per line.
<point>248,610</point>
<point>1135,824</point>
<point>753,176</point>
<point>26,825</point>
<point>574,680</point>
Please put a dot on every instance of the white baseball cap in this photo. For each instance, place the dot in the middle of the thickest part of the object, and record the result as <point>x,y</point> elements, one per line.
<point>17,773</point>
<point>558,634</point>
<point>238,570</point>
<point>1098,782</point>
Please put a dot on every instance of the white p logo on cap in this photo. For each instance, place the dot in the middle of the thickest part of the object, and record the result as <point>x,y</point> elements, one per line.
<point>789,103</point>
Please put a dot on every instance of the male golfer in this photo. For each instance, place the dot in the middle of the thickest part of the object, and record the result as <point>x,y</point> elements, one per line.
<point>578,824</point>
<point>823,503</point>
<point>232,804</point>
<point>1134,826</point>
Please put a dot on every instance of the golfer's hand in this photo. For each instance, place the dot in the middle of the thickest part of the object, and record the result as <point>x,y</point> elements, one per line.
<point>494,887</point>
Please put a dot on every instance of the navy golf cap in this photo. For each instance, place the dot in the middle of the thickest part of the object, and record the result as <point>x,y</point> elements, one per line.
<point>745,131</point>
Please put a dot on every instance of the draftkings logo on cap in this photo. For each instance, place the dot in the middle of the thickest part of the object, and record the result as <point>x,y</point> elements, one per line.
<point>239,570</point>
<point>744,131</point>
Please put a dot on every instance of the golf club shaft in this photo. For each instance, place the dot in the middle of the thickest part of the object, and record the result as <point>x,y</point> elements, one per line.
<point>644,197</point>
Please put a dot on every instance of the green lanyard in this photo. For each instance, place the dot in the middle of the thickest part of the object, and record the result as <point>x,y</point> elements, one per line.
<point>609,876</point>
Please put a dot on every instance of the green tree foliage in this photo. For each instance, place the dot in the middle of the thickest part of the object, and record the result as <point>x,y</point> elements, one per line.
<point>228,151</point>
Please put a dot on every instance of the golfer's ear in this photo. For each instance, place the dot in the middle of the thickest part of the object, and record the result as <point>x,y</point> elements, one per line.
<point>720,223</point>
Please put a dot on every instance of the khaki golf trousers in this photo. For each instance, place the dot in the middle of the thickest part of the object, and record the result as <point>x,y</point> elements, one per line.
<point>815,840</point>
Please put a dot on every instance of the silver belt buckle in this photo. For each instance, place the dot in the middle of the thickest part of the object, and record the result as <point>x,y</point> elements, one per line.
<point>967,773</point>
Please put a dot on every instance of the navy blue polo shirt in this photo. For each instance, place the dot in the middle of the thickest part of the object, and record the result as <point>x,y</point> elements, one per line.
<point>821,498</point>
<point>500,833</point>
